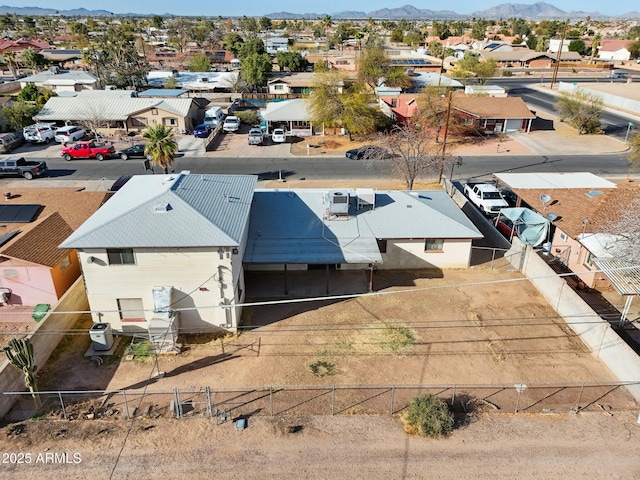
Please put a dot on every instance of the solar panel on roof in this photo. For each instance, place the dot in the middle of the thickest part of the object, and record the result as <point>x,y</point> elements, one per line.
<point>8,236</point>
<point>18,213</point>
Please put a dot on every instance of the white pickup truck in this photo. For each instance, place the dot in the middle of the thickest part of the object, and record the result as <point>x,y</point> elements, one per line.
<point>39,133</point>
<point>486,197</point>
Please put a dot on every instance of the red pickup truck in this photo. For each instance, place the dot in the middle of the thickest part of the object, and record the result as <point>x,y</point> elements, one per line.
<point>87,150</point>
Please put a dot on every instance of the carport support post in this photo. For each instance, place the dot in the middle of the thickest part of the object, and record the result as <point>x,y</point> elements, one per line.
<point>326,277</point>
<point>333,399</point>
<point>518,399</point>
<point>370,277</point>
<point>271,400</point>
<point>286,286</point>
<point>393,394</point>
<point>579,398</point>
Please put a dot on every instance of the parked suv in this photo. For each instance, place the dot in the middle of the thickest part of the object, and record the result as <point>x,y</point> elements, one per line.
<point>68,134</point>
<point>10,141</point>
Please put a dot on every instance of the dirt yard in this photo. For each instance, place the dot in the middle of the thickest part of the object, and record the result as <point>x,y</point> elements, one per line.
<point>584,446</point>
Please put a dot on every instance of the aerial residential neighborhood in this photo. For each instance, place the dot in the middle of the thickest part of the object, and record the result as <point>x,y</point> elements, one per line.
<point>383,242</point>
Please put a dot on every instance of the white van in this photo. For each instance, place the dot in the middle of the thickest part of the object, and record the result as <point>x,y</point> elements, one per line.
<point>213,117</point>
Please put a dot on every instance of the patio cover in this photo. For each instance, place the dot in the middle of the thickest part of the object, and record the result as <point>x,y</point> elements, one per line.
<point>531,227</point>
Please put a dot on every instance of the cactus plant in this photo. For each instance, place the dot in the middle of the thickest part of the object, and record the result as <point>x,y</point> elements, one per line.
<point>20,355</point>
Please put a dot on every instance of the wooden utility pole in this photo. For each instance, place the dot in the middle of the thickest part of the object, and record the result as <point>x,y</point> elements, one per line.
<point>558,56</point>
<point>444,138</point>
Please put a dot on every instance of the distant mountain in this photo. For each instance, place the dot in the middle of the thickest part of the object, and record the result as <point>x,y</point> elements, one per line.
<point>43,12</point>
<point>538,10</point>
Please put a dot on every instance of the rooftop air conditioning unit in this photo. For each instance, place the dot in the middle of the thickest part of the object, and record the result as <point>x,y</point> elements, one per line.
<point>338,203</point>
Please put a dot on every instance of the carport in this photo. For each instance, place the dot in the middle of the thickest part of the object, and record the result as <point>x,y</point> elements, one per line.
<point>625,278</point>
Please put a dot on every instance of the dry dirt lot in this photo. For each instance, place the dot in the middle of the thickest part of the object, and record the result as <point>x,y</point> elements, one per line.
<point>584,446</point>
<point>467,329</point>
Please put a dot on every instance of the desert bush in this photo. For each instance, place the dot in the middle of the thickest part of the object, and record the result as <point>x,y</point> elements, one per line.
<point>427,416</point>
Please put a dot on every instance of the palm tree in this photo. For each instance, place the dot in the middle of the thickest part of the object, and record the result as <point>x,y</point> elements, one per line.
<point>161,146</point>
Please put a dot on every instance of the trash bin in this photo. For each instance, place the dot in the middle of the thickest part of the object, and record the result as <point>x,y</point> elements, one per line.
<point>101,336</point>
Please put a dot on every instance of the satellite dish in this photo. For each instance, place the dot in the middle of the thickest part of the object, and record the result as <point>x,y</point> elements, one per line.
<point>544,198</point>
<point>552,217</point>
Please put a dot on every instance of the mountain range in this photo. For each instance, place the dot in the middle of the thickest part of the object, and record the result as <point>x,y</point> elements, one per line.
<point>536,11</point>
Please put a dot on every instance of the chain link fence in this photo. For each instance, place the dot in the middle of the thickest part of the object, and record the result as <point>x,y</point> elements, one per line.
<point>231,403</point>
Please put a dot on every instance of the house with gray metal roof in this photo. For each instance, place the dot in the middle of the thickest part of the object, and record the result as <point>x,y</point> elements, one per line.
<point>167,248</point>
<point>120,109</point>
<point>62,81</point>
<point>357,229</point>
<point>174,248</point>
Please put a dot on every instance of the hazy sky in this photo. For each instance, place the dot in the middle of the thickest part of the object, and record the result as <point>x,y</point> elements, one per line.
<point>262,7</point>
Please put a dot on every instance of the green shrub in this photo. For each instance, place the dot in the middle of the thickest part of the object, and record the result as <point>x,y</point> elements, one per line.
<point>248,117</point>
<point>507,73</point>
<point>428,416</point>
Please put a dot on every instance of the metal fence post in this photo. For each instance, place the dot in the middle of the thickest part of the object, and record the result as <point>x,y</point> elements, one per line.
<point>579,397</point>
<point>178,406</point>
<point>271,399</point>
<point>64,412</point>
<point>207,394</point>
<point>126,405</point>
<point>333,398</point>
<point>518,399</point>
<point>453,396</point>
<point>393,392</point>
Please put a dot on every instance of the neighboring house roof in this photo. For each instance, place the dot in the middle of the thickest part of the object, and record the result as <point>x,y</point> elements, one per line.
<point>403,105</point>
<point>612,45</point>
<point>63,209</point>
<point>288,110</point>
<point>299,79</point>
<point>109,105</point>
<point>22,44</point>
<point>433,79</point>
<point>525,55</point>
<point>61,55</point>
<point>554,180</point>
<point>61,77</point>
<point>162,92</point>
<point>492,107</point>
<point>581,210</point>
<point>40,246</point>
<point>172,211</point>
<point>293,226</point>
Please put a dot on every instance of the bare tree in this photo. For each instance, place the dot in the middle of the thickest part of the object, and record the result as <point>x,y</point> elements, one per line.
<point>623,232</point>
<point>412,153</point>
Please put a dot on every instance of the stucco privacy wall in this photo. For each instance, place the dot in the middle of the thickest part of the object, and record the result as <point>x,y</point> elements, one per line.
<point>609,99</point>
<point>44,340</point>
<point>595,332</point>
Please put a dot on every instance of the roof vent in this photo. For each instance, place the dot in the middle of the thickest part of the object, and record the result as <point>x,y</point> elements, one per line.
<point>162,208</point>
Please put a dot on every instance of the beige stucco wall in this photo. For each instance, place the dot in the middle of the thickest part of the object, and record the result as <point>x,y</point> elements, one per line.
<point>573,255</point>
<point>148,118</point>
<point>410,254</point>
<point>202,279</point>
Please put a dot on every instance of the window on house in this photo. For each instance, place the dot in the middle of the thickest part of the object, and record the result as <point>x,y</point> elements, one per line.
<point>433,245</point>
<point>154,111</point>
<point>588,259</point>
<point>121,256</point>
<point>172,121</point>
<point>382,245</point>
<point>278,87</point>
<point>491,121</point>
<point>131,309</point>
<point>297,124</point>
<point>64,264</point>
<point>468,121</point>
<point>563,236</point>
